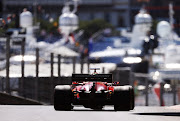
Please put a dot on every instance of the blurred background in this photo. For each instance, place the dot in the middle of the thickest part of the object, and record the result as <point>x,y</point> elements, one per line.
<point>42,42</point>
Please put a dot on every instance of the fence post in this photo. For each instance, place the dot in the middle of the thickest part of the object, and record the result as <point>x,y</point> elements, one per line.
<point>7,64</point>
<point>174,92</point>
<point>82,65</point>
<point>161,94</point>
<point>22,67</point>
<point>59,67</point>
<point>131,80</point>
<point>37,74</point>
<point>74,64</point>
<point>117,78</point>
<point>103,70</point>
<point>52,76</point>
<point>88,66</point>
<point>147,88</point>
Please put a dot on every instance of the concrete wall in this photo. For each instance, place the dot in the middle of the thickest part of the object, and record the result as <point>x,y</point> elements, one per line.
<point>45,87</point>
<point>6,99</point>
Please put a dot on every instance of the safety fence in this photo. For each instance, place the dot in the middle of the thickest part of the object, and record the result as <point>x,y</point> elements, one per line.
<point>47,72</point>
<point>147,92</point>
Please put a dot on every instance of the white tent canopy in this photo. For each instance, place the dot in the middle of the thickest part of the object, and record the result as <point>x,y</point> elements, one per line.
<point>64,51</point>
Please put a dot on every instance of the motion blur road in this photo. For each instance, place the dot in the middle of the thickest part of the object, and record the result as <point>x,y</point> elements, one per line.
<point>47,113</point>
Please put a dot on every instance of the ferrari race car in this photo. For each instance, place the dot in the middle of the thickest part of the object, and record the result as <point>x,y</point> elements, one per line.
<point>93,91</point>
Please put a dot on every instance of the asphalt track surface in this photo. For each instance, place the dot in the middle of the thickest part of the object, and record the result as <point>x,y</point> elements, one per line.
<point>47,113</point>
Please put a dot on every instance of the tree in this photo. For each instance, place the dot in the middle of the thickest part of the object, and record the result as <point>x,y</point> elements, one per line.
<point>91,27</point>
<point>50,27</point>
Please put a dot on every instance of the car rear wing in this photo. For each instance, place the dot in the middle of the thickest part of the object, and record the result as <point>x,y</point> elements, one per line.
<point>87,77</point>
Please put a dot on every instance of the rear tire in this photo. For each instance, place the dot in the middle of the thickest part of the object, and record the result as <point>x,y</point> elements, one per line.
<point>123,98</point>
<point>63,97</point>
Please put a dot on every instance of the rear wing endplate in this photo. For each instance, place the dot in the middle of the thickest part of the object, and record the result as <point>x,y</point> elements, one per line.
<point>87,77</point>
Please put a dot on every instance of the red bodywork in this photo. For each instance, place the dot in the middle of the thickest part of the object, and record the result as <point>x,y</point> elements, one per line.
<point>92,90</point>
<point>97,89</point>
<point>99,86</point>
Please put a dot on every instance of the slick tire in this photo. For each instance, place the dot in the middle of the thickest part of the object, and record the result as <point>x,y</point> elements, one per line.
<point>123,98</point>
<point>63,97</point>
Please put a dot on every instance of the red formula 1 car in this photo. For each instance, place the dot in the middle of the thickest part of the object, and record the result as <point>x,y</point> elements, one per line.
<point>93,91</point>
